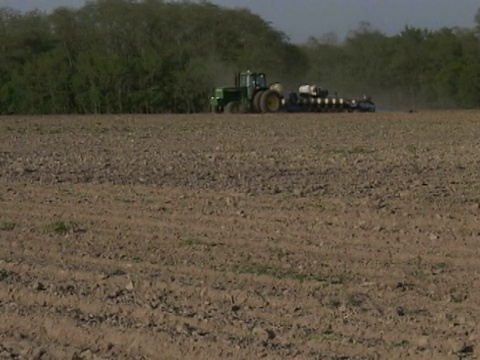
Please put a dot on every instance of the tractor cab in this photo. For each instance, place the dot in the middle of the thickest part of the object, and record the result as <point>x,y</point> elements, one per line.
<point>248,79</point>
<point>249,94</point>
<point>252,82</point>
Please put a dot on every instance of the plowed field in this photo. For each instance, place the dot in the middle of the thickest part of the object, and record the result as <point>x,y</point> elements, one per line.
<point>329,236</point>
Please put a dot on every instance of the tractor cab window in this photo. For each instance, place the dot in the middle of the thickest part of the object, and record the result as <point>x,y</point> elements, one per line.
<point>246,79</point>
<point>261,81</point>
<point>253,80</point>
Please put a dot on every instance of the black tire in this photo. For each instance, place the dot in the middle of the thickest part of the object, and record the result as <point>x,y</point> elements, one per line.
<point>232,107</point>
<point>271,101</point>
<point>256,101</point>
<point>217,109</point>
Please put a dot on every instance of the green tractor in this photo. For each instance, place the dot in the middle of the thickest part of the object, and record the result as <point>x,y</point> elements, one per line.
<point>251,94</point>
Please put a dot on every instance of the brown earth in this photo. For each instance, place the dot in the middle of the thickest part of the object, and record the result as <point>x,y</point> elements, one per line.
<point>331,236</point>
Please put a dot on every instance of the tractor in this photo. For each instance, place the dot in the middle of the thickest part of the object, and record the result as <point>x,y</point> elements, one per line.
<point>251,94</point>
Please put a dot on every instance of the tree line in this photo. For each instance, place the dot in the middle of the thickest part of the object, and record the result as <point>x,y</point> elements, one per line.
<point>125,56</point>
<point>417,68</point>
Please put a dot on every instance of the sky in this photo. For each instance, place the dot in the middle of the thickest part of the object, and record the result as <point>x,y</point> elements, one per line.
<point>300,19</point>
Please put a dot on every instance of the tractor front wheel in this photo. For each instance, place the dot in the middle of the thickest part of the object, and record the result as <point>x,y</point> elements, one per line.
<point>216,109</point>
<point>232,107</point>
<point>270,101</point>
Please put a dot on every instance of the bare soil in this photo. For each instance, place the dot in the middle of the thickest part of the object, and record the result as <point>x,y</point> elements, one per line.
<point>308,236</point>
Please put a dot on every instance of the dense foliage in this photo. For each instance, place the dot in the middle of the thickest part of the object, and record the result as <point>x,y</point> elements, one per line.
<point>125,56</point>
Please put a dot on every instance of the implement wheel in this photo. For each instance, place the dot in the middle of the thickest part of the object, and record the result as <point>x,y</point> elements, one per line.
<point>270,101</point>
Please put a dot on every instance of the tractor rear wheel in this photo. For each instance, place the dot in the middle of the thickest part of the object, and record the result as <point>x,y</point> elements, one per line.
<point>232,107</point>
<point>270,101</point>
<point>256,101</point>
